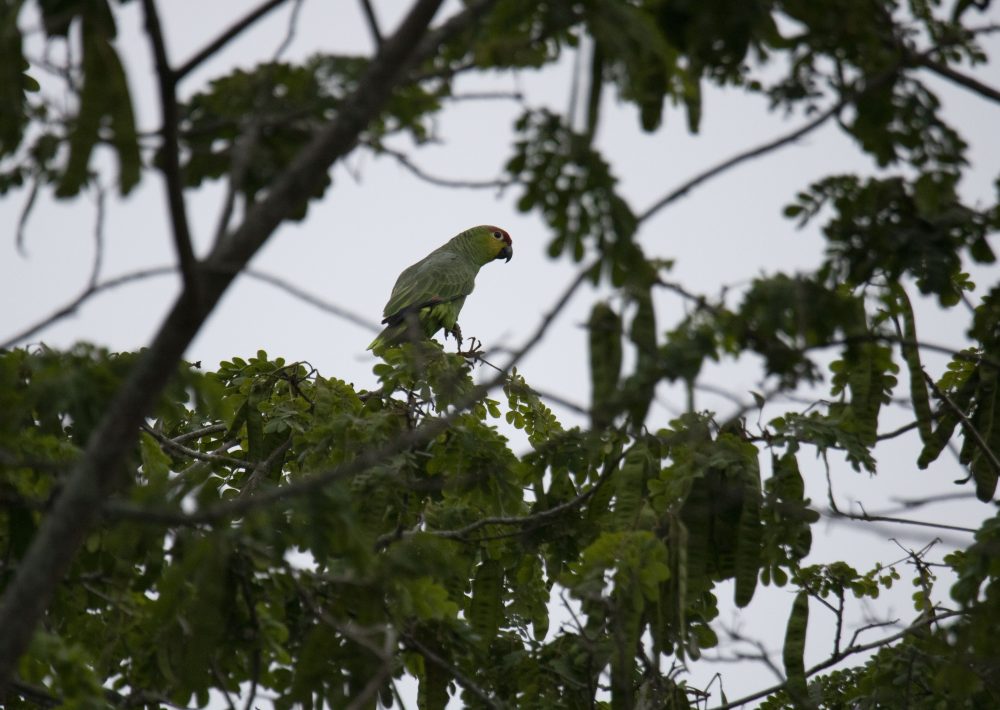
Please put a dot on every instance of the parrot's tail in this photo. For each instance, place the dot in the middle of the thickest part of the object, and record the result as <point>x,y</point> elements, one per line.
<point>397,333</point>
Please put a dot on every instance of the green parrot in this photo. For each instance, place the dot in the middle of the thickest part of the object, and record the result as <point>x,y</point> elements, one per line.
<point>429,295</point>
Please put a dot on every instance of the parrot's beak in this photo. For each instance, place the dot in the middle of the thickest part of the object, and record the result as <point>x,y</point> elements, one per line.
<point>506,253</point>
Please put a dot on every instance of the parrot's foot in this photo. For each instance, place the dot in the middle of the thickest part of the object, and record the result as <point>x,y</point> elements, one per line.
<point>475,349</point>
<point>457,333</point>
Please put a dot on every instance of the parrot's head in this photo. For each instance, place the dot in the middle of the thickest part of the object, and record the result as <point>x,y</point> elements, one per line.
<point>499,242</point>
<point>483,244</point>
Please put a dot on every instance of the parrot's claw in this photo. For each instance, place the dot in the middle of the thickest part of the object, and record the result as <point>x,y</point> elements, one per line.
<point>475,349</point>
<point>457,333</point>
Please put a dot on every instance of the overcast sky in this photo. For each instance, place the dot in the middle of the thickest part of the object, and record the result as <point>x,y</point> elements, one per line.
<point>377,219</point>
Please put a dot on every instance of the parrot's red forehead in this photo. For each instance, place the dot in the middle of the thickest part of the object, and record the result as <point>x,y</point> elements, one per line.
<point>505,235</point>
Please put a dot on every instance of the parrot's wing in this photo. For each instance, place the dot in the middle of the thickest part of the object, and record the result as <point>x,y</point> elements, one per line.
<point>441,277</point>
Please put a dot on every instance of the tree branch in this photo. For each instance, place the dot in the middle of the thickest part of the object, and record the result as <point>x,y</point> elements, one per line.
<point>91,290</point>
<point>405,161</point>
<point>79,505</point>
<point>312,300</point>
<point>739,158</point>
<point>372,21</point>
<point>170,165</point>
<point>902,521</point>
<point>224,39</point>
<point>957,77</point>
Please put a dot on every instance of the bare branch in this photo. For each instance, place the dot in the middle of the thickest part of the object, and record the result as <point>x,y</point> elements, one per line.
<point>405,161</point>
<point>739,158</point>
<point>95,270</point>
<point>312,300</point>
<point>71,307</point>
<point>865,517</point>
<point>224,39</point>
<point>170,165</point>
<point>293,24</point>
<point>29,205</point>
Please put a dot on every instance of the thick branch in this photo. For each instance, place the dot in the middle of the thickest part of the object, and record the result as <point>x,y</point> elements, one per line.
<point>170,164</point>
<point>78,507</point>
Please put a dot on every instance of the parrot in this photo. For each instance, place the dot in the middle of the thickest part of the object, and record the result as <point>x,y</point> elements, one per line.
<point>429,295</point>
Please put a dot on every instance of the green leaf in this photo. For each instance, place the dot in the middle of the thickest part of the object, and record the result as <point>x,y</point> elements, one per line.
<point>794,650</point>
<point>605,363</point>
<point>748,541</point>
<point>486,610</point>
<point>105,102</point>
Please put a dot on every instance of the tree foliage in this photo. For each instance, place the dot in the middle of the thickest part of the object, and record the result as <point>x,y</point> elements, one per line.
<point>261,528</point>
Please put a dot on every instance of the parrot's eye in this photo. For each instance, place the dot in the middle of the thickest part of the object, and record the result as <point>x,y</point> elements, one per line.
<point>497,235</point>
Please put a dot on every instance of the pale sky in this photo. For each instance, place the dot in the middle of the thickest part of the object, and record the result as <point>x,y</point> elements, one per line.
<point>377,219</point>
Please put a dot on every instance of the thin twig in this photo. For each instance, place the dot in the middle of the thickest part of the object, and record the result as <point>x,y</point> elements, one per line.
<point>171,445</point>
<point>95,269</point>
<point>293,23</point>
<point>865,517</point>
<point>405,161</point>
<point>71,307</point>
<point>224,39</point>
<point>312,300</point>
<point>739,158</point>
<point>22,220</point>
